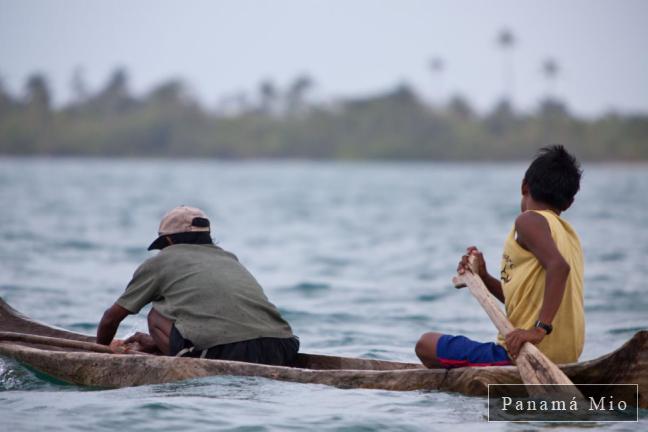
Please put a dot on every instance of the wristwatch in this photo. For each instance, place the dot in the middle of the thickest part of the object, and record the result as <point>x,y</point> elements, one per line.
<point>546,327</point>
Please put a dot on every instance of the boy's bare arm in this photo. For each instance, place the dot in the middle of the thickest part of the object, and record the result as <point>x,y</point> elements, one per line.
<point>535,236</point>
<point>493,284</point>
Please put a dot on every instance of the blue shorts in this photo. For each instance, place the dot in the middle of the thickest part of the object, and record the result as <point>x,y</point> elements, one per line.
<point>459,351</point>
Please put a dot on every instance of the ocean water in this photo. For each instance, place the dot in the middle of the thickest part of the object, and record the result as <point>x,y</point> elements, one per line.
<point>358,257</point>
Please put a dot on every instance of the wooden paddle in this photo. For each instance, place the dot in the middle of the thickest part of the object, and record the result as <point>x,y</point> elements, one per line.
<point>538,372</point>
<point>61,343</point>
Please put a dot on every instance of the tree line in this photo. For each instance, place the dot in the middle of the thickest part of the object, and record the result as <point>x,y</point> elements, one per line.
<point>284,122</point>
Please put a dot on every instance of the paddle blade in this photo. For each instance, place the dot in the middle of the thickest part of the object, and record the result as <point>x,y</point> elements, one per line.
<point>541,376</point>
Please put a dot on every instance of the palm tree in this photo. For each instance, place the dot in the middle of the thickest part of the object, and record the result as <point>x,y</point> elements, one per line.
<point>506,41</point>
<point>550,70</point>
<point>38,93</point>
<point>437,66</point>
<point>268,96</point>
<point>115,95</point>
<point>78,86</point>
<point>7,102</point>
<point>297,91</point>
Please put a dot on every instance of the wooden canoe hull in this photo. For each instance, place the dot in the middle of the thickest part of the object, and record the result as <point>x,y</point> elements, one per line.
<point>626,365</point>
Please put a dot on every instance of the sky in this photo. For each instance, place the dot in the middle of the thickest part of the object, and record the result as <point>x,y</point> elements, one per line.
<point>351,48</point>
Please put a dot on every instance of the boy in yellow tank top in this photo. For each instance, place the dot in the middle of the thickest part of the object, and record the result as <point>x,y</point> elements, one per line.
<point>541,277</point>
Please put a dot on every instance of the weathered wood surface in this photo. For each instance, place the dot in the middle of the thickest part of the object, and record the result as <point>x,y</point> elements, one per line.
<point>32,339</point>
<point>628,364</point>
<point>539,373</point>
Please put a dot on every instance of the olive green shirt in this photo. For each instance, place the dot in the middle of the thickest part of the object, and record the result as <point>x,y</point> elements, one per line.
<point>210,296</point>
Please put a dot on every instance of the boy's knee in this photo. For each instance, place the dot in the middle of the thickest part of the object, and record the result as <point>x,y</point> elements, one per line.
<point>420,347</point>
<point>426,345</point>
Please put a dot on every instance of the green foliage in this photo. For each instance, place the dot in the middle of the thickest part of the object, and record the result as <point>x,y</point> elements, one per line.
<point>168,122</point>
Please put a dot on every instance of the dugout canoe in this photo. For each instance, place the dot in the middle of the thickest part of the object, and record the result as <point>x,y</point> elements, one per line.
<point>65,356</point>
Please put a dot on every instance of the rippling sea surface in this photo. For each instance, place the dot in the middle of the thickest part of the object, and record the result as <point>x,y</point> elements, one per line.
<point>358,257</point>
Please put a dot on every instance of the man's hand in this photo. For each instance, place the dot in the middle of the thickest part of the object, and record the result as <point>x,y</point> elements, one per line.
<point>141,338</point>
<point>141,342</point>
<point>118,346</point>
<point>464,264</point>
<point>518,337</point>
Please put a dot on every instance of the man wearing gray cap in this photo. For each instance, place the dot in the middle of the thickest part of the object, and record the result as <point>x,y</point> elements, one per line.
<point>205,303</point>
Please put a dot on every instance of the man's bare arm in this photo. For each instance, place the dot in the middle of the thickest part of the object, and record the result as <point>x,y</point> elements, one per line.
<point>109,323</point>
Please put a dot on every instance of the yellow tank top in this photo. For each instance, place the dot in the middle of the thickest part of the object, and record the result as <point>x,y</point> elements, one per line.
<point>523,284</point>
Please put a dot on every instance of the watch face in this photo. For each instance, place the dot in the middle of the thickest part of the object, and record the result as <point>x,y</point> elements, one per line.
<point>546,327</point>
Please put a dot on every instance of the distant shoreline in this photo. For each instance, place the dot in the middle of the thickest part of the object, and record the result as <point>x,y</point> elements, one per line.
<point>289,160</point>
<point>394,125</point>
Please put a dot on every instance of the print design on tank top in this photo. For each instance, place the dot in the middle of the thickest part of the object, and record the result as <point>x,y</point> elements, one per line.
<point>507,264</point>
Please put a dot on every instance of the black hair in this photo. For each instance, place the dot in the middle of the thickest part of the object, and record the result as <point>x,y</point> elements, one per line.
<point>189,238</point>
<point>554,177</point>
